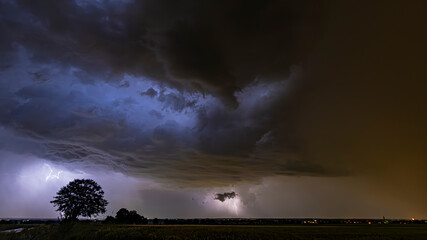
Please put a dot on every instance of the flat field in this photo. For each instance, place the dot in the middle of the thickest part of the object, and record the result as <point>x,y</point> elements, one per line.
<point>88,231</point>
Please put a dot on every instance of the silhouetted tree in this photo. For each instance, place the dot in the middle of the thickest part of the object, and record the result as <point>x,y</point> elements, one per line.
<point>81,197</point>
<point>122,215</point>
<point>129,217</point>
<point>135,218</point>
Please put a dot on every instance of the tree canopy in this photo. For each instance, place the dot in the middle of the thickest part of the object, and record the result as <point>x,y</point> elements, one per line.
<point>81,197</point>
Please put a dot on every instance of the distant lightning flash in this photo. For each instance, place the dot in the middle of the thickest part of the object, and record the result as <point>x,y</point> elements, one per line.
<point>229,201</point>
<point>51,175</point>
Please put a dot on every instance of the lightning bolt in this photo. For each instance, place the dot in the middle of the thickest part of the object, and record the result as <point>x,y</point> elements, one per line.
<point>51,175</point>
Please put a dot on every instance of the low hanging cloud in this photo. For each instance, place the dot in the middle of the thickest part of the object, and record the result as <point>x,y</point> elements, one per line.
<point>224,196</point>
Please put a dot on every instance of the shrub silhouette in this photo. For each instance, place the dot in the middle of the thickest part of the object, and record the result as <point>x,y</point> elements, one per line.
<point>81,197</point>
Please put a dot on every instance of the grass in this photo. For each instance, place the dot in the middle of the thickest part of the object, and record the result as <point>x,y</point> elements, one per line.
<point>13,226</point>
<point>83,231</point>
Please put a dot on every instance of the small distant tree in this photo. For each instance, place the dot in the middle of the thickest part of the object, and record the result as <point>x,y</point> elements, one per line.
<point>122,215</point>
<point>129,217</point>
<point>81,197</point>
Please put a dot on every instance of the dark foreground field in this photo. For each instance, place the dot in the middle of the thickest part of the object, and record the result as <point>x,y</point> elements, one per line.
<point>99,231</point>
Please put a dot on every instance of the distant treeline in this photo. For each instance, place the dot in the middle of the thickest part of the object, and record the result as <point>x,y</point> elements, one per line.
<point>280,221</point>
<point>124,216</point>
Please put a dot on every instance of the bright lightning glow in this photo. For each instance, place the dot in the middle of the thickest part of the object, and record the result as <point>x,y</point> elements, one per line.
<point>233,205</point>
<point>51,175</point>
<point>230,205</point>
<point>44,176</point>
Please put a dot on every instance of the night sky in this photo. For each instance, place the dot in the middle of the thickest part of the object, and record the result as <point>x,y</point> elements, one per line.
<point>187,109</point>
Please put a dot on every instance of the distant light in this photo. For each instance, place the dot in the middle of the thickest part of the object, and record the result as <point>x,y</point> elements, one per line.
<point>412,219</point>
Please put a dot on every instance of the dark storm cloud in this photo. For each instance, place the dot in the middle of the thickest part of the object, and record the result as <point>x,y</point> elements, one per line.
<point>208,46</point>
<point>224,196</point>
<point>203,50</point>
<point>135,84</point>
